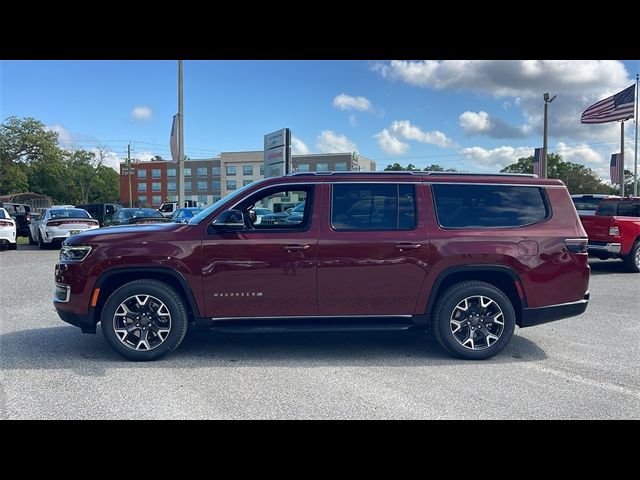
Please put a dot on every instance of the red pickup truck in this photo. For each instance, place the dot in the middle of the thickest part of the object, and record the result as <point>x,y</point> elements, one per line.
<point>614,231</point>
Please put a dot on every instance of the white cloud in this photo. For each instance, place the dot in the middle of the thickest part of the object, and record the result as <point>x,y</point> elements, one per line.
<point>353,121</point>
<point>65,138</point>
<point>347,102</point>
<point>481,123</point>
<point>501,78</point>
<point>331,142</point>
<point>141,113</point>
<point>144,156</point>
<point>298,147</point>
<point>405,129</point>
<point>495,159</point>
<point>583,154</point>
<point>110,159</point>
<point>391,144</point>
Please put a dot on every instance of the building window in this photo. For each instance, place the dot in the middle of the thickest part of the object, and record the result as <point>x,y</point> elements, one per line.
<point>157,200</point>
<point>142,173</point>
<point>303,167</point>
<point>187,186</point>
<point>216,198</point>
<point>246,182</point>
<point>202,171</point>
<point>142,201</point>
<point>156,186</point>
<point>202,199</point>
<point>215,171</point>
<point>340,167</point>
<point>142,187</point>
<point>171,186</point>
<point>231,184</point>
<point>187,172</point>
<point>155,173</point>
<point>322,167</point>
<point>171,172</point>
<point>202,185</point>
<point>247,170</point>
<point>231,170</point>
<point>215,185</point>
<point>262,169</point>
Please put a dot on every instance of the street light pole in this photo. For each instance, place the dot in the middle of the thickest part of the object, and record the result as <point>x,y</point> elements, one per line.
<point>180,140</point>
<point>547,101</point>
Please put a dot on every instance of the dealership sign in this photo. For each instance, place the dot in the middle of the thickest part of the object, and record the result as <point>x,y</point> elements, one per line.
<point>277,153</point>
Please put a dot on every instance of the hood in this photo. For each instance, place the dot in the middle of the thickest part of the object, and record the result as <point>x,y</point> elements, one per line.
<point>123,232</point>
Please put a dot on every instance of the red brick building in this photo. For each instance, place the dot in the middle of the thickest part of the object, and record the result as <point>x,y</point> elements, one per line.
<point>148,183</point>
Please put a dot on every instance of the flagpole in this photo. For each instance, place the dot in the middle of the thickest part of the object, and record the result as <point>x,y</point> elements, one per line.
<point>621,158</point>
<point>635,161</point>
<point>180,141</point>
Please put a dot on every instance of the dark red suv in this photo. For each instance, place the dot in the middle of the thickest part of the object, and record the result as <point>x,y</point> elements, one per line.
<point>467,256</point>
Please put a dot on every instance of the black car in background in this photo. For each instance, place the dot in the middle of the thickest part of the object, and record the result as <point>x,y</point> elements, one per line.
<point>101,211</point>
<point>21,214</point>
<point>136,216</point>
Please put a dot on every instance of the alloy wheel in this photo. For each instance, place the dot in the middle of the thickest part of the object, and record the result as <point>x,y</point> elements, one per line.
<point>477,322</point>
<point>142,322</point>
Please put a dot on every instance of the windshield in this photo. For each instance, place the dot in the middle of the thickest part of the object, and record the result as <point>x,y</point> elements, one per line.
<point>205,213</point>
<point>69,213</point>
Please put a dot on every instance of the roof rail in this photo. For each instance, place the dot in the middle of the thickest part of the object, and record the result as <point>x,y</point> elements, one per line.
<point>417,172</point>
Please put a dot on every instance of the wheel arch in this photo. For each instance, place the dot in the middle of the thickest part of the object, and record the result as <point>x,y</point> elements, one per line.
<point>110,280</point>
<point>500,276</point>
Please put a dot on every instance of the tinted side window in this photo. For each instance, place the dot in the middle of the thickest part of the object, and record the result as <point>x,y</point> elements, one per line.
<point>362,206</point>
<point>587,203</point>
<point>629,209</point>
<point>473,206</point>
<point>608,208</point>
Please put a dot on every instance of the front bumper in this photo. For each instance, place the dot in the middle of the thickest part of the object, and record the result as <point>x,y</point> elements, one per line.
<point>83,321</point>
<point>604,247</point>
<point>551,313</point>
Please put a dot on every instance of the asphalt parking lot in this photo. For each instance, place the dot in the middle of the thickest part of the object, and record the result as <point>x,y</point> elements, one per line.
<point>584,367</point>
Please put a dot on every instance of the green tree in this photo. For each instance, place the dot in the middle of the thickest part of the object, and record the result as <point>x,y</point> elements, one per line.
<point>396,167</point>
<point>577,177</point>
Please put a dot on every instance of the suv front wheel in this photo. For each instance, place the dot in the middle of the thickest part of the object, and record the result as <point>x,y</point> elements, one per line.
<point>473,320</point>
<point>144,320</point>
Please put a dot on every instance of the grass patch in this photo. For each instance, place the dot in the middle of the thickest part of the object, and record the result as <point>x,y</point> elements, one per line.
<point>23,241</point>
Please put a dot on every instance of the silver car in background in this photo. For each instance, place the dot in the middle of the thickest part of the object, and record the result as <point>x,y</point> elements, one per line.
<point>57,224</point>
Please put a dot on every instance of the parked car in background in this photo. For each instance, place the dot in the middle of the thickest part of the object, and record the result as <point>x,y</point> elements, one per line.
<point>101,211</point>
<point>55,225</point>
<point>290,215</point>
<point>184,214</point>
<point>587,204</point>
<point>614,231</point>
<point>167,208</point>
<point>467,256</point>
<point>8,231</point>
<point>134,216</point>
<point>261,212</point>
<point>21,214</point>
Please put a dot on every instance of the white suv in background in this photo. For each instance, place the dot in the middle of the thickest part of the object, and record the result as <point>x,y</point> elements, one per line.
<point>7,231</point>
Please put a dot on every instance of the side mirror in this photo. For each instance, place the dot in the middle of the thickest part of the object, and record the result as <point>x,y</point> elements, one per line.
<point>229,221</point>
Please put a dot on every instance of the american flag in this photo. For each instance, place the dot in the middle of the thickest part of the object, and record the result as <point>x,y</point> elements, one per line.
<point>614,168</point>
<point>617,107</point>
<point>537,161</point>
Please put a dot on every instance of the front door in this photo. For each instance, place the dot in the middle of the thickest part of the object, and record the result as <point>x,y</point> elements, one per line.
<point>269,268</point>
<point>373,253</point>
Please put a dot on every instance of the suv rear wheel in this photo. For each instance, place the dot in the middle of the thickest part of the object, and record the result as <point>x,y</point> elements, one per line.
<point>473,320</point>
<point>144,320</point>
<point>632,260</point>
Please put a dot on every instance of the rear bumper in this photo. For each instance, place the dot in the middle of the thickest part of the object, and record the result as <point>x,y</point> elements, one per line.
<point>83,321</point>
<point>536,316</point>
<point>603,247</point>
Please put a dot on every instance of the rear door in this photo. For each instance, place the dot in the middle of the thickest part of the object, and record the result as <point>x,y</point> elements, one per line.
<point>373,252</point>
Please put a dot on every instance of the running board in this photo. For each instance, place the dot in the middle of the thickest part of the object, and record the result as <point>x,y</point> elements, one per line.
<point>305,325</point>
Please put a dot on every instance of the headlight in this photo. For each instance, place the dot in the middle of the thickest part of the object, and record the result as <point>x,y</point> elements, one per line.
<point>77,253</point>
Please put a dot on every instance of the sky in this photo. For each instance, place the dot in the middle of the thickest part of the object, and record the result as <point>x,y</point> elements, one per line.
<point>476,115</point>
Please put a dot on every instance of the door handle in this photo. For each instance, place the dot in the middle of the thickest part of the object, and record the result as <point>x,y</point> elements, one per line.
<point>295,248</point>
<point>407,246</point>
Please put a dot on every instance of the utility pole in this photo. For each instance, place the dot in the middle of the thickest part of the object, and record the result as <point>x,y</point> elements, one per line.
<point>129,172</point>
<point>181,198</point>
<point>547,101</point>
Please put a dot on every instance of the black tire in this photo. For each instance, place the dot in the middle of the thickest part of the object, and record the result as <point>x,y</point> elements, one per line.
<point>31,240</point>
<point>162,292</point>
<point>41,244</point>
<point>632,259</point>
<point>13,246</point>
<point>444,309</point>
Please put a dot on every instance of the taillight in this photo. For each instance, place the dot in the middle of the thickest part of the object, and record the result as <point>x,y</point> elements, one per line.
<point>614,231</point>
<point>576,245</point>
<point>28,217</point>
<point>6,224</point>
